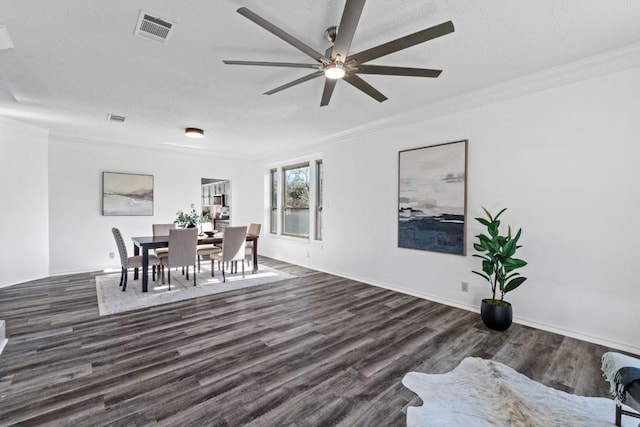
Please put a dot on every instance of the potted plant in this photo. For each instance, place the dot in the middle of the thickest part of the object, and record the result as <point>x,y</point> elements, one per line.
<point>498,268</point>
<point>188,219</point>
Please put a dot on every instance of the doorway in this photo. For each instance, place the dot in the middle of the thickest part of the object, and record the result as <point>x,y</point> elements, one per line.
<point>216,203</point>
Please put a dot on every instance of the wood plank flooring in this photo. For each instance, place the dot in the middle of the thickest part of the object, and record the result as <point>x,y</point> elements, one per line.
<point>310,351</point>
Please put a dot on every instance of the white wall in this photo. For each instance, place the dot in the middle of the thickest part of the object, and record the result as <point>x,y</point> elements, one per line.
<point>24,229</point>
<point>80,236</point>
<point>564,161</point>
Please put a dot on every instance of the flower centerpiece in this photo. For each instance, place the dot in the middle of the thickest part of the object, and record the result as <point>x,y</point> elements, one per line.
<point>188,219</point>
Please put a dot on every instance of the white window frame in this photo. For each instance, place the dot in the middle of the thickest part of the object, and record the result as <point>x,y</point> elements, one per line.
<point>283,179</point>
<point>319,197</point>
<point>273,176</point>
<point>312,162</point>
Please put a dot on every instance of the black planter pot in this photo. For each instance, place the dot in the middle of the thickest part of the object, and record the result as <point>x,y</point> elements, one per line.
<point>496,317</point>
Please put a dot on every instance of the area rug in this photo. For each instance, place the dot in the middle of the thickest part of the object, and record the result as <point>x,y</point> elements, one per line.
<point>479,393</point>
<point>112,300</point>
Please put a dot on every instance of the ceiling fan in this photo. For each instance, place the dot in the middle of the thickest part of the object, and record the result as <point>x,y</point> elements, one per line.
<point>337,64</point>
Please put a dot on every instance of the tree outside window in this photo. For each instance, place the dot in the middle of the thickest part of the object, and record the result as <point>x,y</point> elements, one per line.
<point>296,201</point>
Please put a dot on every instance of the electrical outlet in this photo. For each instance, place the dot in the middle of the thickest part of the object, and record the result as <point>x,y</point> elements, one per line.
<point>112,255</point>
<point>464,286</point>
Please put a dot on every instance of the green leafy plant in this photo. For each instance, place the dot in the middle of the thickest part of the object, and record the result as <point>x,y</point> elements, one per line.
<point>498,256</point>
<point>188,219</point>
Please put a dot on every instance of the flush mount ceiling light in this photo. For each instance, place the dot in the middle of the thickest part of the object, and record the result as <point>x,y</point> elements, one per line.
<point>194,133</point>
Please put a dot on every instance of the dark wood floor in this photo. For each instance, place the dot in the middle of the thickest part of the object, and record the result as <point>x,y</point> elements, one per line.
<point>314,350</point>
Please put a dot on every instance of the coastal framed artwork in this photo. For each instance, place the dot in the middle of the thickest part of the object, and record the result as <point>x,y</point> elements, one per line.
<point>127,194</point>
<point>432,198</point>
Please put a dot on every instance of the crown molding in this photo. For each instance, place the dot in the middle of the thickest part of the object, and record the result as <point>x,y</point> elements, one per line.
<point>20,126</point>
<point>197,152</point>
<point>583,69</point>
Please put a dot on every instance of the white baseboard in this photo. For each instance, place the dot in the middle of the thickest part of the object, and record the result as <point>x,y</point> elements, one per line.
<point>634,349</point>
<point>57,274</point>
<point>27,279</point>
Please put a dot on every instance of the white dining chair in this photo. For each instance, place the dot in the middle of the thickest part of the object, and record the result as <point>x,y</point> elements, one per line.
<point>182,252</point>
<point>207,250</point>
<point>162,230</point>
<point>233,249</point>
<point>254,229</point>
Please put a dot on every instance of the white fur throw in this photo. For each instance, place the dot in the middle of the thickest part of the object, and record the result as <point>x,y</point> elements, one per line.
<point>486,393</point>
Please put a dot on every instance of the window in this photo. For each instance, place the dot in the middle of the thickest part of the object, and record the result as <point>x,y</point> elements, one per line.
<point>319,200</point>
<point>294,199</point>
<point>295,212</point>
<point>273,223</point>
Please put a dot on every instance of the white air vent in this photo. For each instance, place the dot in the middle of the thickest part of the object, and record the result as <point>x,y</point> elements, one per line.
<point>115,118</point>
<point>152,28</point>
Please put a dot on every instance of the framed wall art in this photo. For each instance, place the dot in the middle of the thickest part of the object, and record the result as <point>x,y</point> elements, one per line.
<point>127,194</point>
<point>432,195</point>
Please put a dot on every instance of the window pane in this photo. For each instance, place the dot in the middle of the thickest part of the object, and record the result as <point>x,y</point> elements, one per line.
<point>296,201</point>
<point>319,201</point>
<point>273,224</point>
<point>274,220</point>
<point>296,222</point>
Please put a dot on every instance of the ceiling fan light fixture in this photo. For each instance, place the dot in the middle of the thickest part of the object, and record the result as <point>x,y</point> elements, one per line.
<point>194,133</point>
<point>337,62</point>
<point>335,71</point>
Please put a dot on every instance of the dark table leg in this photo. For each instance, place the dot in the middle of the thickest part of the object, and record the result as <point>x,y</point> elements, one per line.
<point>255,256</point>
<point>145,269</point>
<point>136,252</point>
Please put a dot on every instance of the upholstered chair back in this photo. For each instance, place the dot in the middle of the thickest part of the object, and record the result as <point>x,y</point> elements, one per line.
<point>122,248</point>
<point>162,229</point>
<point>182,246</point>
<point>233,244</point>
<point>254,229</point>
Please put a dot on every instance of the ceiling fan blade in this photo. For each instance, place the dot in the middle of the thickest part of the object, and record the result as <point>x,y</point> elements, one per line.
<point>329,85</point>
<point>283,35</point>
<point>365,87</point>
<point>347,28</point>
<point>397,71</point>
<point>402,43</point>
<point>296,82</point>
<point>273,64</point>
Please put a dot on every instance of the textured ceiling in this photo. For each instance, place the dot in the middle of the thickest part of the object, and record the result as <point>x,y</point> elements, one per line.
<point>76,61</point>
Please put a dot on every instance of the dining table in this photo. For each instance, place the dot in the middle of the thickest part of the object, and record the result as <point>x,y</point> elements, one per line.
<point>143,244</point>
